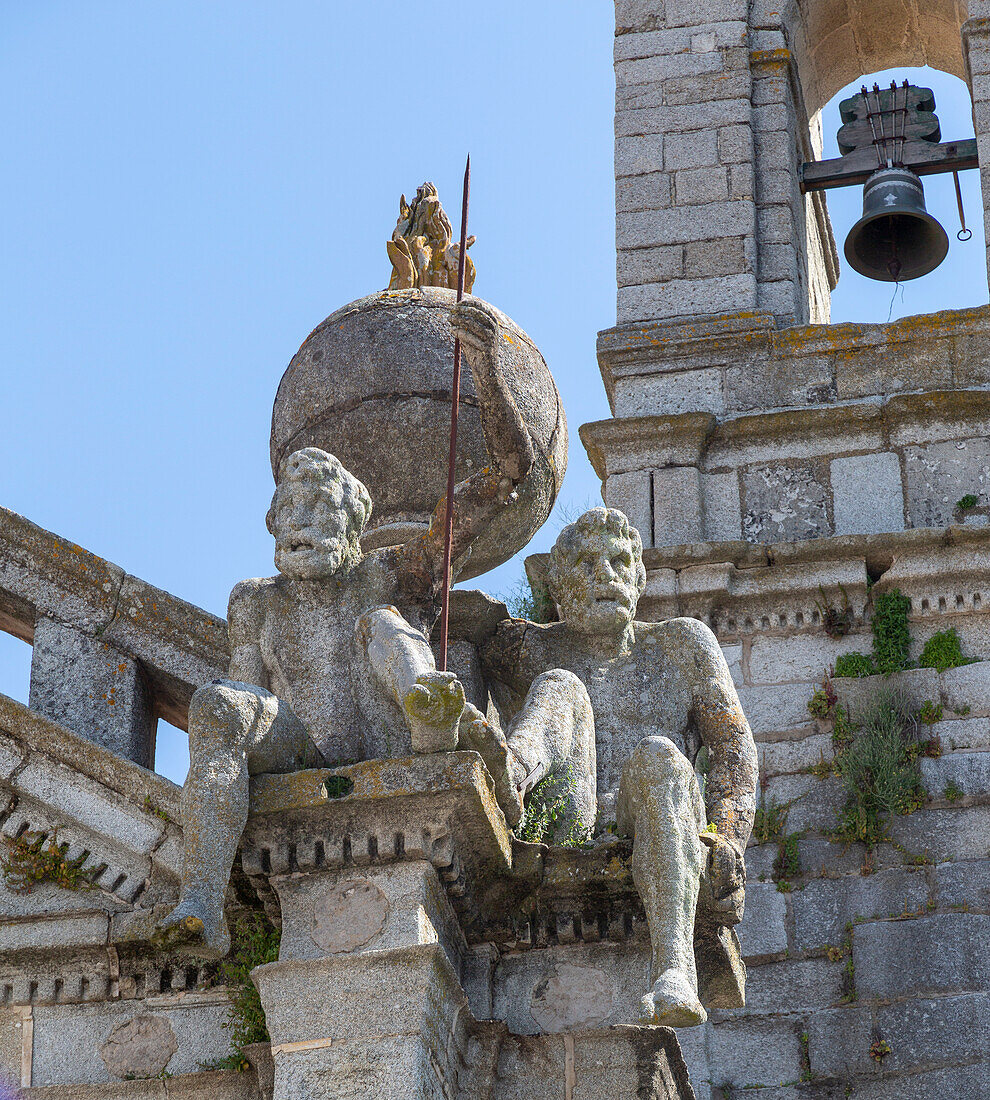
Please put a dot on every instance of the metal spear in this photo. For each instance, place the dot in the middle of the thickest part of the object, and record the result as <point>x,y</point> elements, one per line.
<point>455,395</point>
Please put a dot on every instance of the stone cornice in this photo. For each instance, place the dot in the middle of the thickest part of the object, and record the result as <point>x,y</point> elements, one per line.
<point>660,347</point>
<point>872,548</point>
<point>697,439</point>
<point>640,441</point>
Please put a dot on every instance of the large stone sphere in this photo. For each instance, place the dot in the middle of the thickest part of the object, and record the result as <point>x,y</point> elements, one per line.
<point>372,383</point>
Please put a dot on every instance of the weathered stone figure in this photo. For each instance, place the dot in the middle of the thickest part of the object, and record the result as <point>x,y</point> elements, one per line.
<point>653,695</point>
<point>306,644</point>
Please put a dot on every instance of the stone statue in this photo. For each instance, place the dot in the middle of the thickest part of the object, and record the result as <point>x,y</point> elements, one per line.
<point>422,249</point>
<point>654,696</point>
<point>312,648</point>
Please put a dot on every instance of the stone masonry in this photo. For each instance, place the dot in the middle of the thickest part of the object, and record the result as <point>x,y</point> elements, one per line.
<point>778,466</point>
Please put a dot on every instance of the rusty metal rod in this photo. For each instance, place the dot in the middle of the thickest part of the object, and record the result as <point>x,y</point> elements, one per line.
<point>455,396</point>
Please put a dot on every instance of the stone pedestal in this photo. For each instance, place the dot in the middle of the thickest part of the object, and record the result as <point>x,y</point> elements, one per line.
<point>396,899</point>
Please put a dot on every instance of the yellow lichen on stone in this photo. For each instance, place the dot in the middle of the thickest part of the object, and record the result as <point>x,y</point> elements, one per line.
<point>422,250</point>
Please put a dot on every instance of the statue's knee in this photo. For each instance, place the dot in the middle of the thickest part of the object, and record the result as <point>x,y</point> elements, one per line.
<point>660,755</point>
<point>221,713</point>
<point>562,685</point>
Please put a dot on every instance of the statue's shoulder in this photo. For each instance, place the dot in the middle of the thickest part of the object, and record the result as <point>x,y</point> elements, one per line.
<point>251,599</point>
<point>684,634</point>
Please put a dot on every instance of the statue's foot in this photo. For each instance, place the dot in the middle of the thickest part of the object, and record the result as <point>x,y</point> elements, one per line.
<point>433,708</point>
<point>191,928</point>
<point>672,1002</point>
<point>477,733</point>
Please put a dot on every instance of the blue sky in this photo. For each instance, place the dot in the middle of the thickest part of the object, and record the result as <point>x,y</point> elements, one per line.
<point>191,187</point>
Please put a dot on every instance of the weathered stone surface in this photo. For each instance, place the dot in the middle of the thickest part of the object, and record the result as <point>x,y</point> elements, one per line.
<point>613,1062</point>
<point>792,985</point>
<point>947,953</point>
<point>371,909</point>
<point>521,980</point>
<point>223,1085</point>
<point>935,1032</point>
<point>754,1052</point>
<point>140,1047</point>
<point>945,834</point>
<point>572,997</point>
<point>867,496</point>
<point>91,687</point>
<point>964,884</point>
<point>839,1041</point>
<point>381,367</point>
<point>967,773</point>
<point>791,757</point>
<point>939,474</point>
<point>825,906</point>
<point>80,1043</point>
<point>676,506</point>
<point>762,932</point>
<point>777,708</point>
<point>350,915</point>
<point>784,503</point>
<point>721,507</point>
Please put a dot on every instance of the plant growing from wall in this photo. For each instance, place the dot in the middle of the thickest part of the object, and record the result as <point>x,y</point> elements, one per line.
<point>254,940</point>
<point>532,601</point>
<point>929,713</point>
<point>943,651</point>
<point>545,818</point>
<point>879,771</point>
<point>36,857</point>
<point>836,621</point>
<point>968,502</point>
<point>891,640</point>
<point>787,865</point>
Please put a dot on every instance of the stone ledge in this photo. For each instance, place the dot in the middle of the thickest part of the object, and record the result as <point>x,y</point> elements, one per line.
<point>685,344</point>
<point>439,807</point>
<point>189,1086</point>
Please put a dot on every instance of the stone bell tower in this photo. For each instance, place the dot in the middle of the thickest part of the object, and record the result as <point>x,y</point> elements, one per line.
<point>786,473</point>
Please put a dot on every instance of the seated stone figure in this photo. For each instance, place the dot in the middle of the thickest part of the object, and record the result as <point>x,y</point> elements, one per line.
<point>312,647</point>
<point>652,695</point>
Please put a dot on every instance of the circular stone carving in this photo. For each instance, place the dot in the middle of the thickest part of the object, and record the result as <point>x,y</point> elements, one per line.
<point>140,1047</point>
<point>350,915</point>
<point>572,997</point>
<point>371,384</point>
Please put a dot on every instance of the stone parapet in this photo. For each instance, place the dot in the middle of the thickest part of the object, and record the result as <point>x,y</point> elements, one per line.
<point>46,578</point>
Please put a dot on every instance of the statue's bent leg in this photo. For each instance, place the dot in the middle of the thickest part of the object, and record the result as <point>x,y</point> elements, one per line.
<point>230,724</point>
<point>660,805</point>
<point>554,734</point>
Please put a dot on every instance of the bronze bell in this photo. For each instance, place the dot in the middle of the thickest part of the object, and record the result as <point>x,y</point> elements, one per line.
<point>896,238</point>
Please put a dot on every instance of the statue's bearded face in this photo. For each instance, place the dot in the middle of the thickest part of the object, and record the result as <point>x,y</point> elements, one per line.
<point>317,516</point>
<point>596,573</point>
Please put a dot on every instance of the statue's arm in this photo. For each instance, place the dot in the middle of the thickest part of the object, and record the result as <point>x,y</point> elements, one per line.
<point>245,621</point>
<point>402,662</point>
<point>732,776</point>
<point>482,496</point>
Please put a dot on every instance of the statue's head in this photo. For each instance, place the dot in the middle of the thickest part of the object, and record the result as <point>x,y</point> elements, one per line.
<point>317,515</point>
<point>595,573</point>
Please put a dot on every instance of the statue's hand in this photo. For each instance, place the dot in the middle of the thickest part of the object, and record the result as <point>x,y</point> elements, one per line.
<point>479,734</point>
<point>726,876</point>
<point>475,325</point>
<point>433,708</point>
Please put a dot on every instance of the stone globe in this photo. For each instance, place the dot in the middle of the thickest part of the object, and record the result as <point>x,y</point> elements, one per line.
<point>372,385</point>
